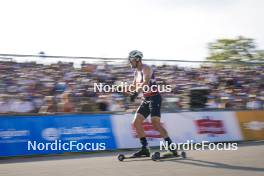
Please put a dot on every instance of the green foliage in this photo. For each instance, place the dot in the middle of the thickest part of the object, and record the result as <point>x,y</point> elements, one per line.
<point>240,49</point>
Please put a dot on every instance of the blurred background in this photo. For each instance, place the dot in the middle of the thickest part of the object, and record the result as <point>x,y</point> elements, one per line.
<point>210,52</point>
<point>231,78</point>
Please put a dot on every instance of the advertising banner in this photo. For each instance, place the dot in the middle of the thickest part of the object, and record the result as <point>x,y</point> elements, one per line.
<point>25,135</point>
<point>251,124</point>
<point>182,127</point>
<point>125,133</point>
<point>215,126</point>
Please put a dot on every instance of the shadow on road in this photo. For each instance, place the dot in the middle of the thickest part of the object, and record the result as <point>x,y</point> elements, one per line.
<point>203,163</point>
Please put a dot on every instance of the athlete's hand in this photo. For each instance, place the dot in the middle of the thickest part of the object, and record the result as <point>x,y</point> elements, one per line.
<point>133,96</point>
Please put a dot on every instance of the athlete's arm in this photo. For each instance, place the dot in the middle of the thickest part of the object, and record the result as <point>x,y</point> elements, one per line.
<point>133,85</point>
<point>132,91</point>
<point>131,88</point>
<point>147,71</point>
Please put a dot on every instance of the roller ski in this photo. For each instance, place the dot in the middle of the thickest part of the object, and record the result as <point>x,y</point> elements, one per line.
<point>143,153</point>
<point>170,154</point>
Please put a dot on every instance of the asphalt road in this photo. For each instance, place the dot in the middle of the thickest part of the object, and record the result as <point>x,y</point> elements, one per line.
<point>247,160</point>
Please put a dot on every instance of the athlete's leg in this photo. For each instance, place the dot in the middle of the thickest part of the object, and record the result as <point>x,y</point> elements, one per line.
<point>163,132</point>
<point>137,122</point>
<point>140,116</point>
<point>157,126</point>
<point>155,106</point>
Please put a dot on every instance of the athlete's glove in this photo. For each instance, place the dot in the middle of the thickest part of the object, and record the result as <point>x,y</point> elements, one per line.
<point>133,96</point>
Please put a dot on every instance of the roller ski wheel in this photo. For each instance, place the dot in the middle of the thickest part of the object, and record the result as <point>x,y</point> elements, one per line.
<point>159,156</point>
<point>121,157</point>
<point>183,154</point>
<point>155,156</point>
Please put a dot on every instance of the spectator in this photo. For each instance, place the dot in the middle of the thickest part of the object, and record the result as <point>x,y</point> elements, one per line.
<point>32,87</point>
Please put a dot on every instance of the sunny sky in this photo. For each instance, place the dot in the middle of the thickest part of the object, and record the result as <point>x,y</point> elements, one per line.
<point>162,29</point>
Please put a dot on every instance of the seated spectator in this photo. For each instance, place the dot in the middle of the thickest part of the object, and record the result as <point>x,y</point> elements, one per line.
<point>253,103</point>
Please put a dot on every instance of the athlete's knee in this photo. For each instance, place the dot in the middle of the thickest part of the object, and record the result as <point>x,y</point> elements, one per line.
<point>156,122</point>
<point>138,120</point>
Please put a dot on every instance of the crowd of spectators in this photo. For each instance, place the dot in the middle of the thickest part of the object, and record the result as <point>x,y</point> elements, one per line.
<point>36,88</point>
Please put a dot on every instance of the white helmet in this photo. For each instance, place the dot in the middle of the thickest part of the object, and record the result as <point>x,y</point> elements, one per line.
<point>135,54</point>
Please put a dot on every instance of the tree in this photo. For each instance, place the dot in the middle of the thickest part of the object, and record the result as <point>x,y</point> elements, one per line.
<point>259,56</point>
<point>240,49</point>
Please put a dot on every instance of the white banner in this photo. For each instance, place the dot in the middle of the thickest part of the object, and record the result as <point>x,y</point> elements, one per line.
<point>214,126</point>
<point>195,126</point>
